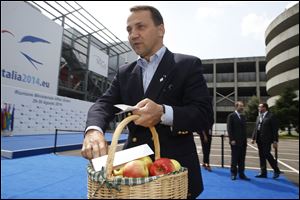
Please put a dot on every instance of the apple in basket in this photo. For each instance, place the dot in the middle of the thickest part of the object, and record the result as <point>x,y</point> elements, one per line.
<point>176,164</point>
<point>147,160</point>
<point>161,166</point>
<point>135,169</point>
<point>118,171</point>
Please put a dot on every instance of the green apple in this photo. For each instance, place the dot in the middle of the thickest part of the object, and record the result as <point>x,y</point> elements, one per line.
<point>118,171</point>
<point>147,160</point>
<point>176,164</point>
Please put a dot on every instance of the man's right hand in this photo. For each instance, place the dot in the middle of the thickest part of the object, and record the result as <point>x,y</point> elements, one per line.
<point>94,145</point>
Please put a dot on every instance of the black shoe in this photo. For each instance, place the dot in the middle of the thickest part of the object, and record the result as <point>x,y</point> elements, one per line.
<point>261,176</point>
<point>208,168</point>
<point>204,165</point>
<point>233,177</point>
<point>276,174</point>
<point>244,177</point>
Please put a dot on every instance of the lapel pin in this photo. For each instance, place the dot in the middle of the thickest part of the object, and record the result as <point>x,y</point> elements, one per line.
<point>162,78</point>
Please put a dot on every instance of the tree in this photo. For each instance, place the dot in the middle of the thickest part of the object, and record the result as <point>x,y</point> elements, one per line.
<point>251,109</point>
<point>286,110</point>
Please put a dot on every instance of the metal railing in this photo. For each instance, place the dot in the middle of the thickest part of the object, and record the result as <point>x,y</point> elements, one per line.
<point>222,136</point>
<point>222,144</point>
<point>55,137</point>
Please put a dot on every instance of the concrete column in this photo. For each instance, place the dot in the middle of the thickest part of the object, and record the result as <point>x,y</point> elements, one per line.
<point>86,78</point>
<point>215,90</point>
<point>235,80</point>
<point>257,78</point>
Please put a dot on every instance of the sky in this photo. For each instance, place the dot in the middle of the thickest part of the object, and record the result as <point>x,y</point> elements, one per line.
<point>208,30</point>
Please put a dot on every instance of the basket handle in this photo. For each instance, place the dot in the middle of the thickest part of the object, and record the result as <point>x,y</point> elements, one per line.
<point>116,135</point>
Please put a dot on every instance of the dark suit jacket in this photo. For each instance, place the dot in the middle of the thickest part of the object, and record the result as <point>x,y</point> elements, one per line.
<point>268,130</point>
<point>236,129</point>
<point>177,82</point>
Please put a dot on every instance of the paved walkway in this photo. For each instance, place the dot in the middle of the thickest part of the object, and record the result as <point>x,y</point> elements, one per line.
<point>288,156</point>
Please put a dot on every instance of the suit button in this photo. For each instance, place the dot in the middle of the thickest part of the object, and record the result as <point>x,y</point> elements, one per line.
<point>134,139</point>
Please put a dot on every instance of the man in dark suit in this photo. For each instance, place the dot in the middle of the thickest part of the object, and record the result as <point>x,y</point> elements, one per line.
<point>265,134</point>
<point>236,128</point>
<point>206,138</point>
<point>169,91</point>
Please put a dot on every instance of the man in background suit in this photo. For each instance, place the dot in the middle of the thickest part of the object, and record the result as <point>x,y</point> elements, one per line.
<point>265,134</point>
<point>206,138</point>
<point>169,91</point>
<point>236,128</point>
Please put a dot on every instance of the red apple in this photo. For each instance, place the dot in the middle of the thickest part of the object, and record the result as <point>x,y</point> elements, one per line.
<point>161,166</point>
<point>135,169</point>
<point>147,160</point>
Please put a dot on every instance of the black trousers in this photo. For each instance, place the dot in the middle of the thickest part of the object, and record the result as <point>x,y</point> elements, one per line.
<point>206,147</point>
<point>238,154</point>
<point>264,151</point>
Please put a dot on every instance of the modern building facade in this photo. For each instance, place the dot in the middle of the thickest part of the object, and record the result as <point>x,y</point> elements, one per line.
<point>234,79</point>
<point>82,32</point>
<point>282,53</point>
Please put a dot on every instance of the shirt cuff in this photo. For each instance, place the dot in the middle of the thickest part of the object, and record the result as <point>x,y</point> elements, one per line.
<point>167,118</point>
<point>93,128</point>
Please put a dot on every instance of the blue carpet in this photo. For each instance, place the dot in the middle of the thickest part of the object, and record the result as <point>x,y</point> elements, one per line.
<point>29,145</point>
<point>41,141</point>
<point>44,176</point>
<point>218,185</point>
<point>50,176</point>
<point>38,141</point>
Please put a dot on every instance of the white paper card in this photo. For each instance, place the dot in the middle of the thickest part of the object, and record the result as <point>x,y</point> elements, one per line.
<point>125,108</point>
<point>123,156</point>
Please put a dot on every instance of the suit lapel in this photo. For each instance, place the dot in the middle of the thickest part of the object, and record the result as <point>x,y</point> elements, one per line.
<point>160,77</point>
<point>265,117</point>
<point>136,90</point>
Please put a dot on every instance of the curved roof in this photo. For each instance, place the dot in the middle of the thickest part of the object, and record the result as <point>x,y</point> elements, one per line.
<point>72,15</point>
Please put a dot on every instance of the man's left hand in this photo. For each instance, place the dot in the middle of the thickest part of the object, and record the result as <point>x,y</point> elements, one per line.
<point>275,145</point>
<point>149,111</point>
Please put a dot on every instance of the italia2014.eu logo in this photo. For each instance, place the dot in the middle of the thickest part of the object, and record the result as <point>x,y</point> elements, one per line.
<point>29,38</point>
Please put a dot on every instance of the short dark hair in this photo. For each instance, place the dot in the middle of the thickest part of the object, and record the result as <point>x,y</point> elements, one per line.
<point>265,105</point>
<point>156,16</point>
<point>238,103</point>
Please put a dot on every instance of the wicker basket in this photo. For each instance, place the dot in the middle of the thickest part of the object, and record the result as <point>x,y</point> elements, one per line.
<point>170,186</point>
